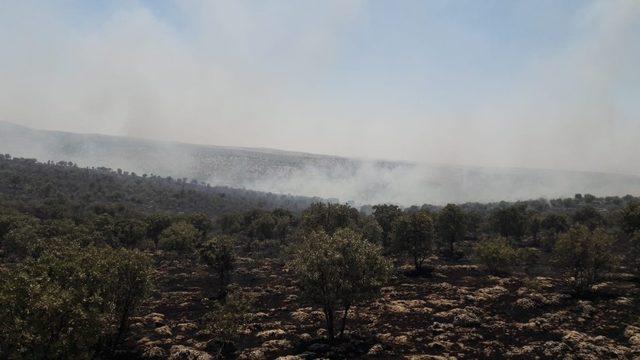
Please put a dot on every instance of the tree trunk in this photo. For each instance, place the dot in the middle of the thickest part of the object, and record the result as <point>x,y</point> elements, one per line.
<point>328,314</point>
<point>344,319</point>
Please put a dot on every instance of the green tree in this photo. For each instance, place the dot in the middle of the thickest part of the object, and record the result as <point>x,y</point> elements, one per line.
<point>129,232</point>
<point>584,256</point>
<point>329,217</point>
<point>180,236</point>
<point>510,222</point>
<point>413,236</point>
<point>451,227</point>
<point>589,217</point>
<point>218,253</point>
<point>371,230</point>
<point>631,218</point>
<point>70,302</point>
<point>496,255</point>
<point>633,253</point>
<point>386,215</point>
<point>337,272</point>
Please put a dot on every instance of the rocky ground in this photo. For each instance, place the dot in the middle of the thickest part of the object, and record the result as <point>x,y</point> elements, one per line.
<point>459,312</point>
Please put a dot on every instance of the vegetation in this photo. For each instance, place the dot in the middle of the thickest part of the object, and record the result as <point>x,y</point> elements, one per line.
<point>218,253</point>
<point>71,302</point>
<point>451,227</point>
<point>337,272</point>
<point>413,236</point>
<point>91,258</point>
<point>496,255</point>
<point>584,256</point>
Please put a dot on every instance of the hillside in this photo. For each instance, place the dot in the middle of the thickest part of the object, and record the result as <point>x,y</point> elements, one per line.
<point>364,182</point>
<point>63,185</point>
<point>96,263</point>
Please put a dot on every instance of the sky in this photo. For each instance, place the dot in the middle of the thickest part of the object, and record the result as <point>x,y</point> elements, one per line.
<point>537,84</point>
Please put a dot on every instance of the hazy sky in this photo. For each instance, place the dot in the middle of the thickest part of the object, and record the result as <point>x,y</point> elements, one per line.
<point>551,84</point>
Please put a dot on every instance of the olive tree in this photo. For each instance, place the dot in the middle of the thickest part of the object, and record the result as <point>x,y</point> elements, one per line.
<point>70,302</point>
<point>584,256</point>
<point>496,255</point>
<point>451,226</point>
<point>180,236</point>
<point>219,254</point>
<point>337,272</point>
<point>633,254</point>
<point>413,236</point>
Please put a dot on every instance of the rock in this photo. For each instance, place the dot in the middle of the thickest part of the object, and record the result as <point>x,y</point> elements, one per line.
<point>401,340</point>
<point>375,350</point>
<point>271,334</point>
<point>490,293</point>
<point>632,333</point>
<point>163,331</point>
<point>154,352</point>
<point>155,319</point>
<point>467,317</point>
<point>180,352</point>
<point>281,344</point>
<point>525,304</point>
<point>185,327</point>
<point>408,306</point>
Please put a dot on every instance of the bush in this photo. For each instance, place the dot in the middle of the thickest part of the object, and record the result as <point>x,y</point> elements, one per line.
<point>224,321</point>
<point>180,236</point>
<point>451,227</point>
<point>413,236</point>
<point>633,255</point>
<point>219,254</point>
<point>338,271</point>
<point>496,255</point>
<point>71,302</point>
<point>583,256</point>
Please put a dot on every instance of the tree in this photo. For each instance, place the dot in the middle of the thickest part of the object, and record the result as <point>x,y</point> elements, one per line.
<point>129,232</point>
<point>224,321</point>
<point>554,223</point>
<point>633,254</point>
<point>510,222</point>
<point>329,217</point>
<point>386,215</point>
<point>496,255</point>
<point>583,256</point>
<point>413,236</point>
<point>451,226</point>
<point>180,236</point>
<point>219,255</point>
<point>589,217</point>
<point>337,272</point>
<point>371,230</point>
<point>631,218</point>
<point>70,302</point>
<point>156,224</point>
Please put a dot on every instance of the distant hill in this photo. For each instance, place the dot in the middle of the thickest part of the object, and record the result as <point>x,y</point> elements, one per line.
<point>345,179</point>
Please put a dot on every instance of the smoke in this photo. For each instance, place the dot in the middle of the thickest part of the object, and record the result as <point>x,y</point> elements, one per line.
<point>337,77</point>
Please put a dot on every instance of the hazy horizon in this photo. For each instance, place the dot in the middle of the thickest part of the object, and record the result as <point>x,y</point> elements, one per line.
<point>539,85</point>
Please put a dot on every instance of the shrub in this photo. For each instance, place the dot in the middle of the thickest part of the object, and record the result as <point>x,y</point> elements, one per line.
<point>219,254</point>
<point>338,271</point>
<point>633,255</point>
<point>224,321</point>
<point>451,227</point>
<point>496,255</point>
<point>631,218</point>
<point>70,302</point>
<point>180,236</point>
<point>583,256</point>
<point>413,236</point>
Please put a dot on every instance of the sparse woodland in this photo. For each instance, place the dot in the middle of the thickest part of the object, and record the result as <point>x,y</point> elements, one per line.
<point>97,263</point>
